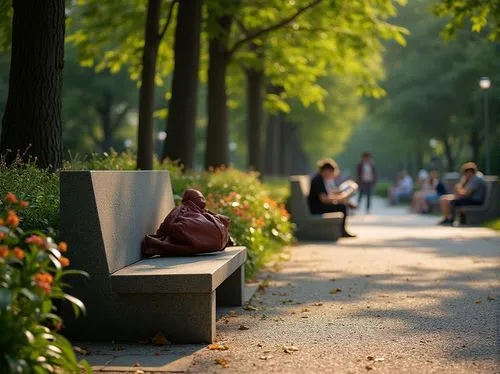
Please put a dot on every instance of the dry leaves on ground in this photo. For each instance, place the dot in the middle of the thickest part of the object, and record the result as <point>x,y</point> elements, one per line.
<point>250,308</point>
<point>218,347</point>
<point>243,327</point>
<point>222,362</point>
<point>305,310</point>
<point>317,304</point>
<point>491,298</point>
<point>335,291</point>
<point>160,339</point>
<point>290,349</point>
<point>478,300</point>
<point>266,357</point>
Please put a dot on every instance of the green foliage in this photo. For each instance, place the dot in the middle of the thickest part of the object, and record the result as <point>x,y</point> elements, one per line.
<point>480,14</point>
<point>495,224</point>
<point>32,276</point>
<point>259,220</point>
<point>40,188</point>
<point>382,188</point>
<point>6,13</point>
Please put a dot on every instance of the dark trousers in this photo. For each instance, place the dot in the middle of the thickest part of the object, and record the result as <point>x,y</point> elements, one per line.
<point>334,208</point>
<point>365,189</point>
<point>462,201</point>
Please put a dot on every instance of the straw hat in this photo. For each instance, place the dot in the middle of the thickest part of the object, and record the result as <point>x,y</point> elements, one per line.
<point>469,166</point>
<point>329,161</point>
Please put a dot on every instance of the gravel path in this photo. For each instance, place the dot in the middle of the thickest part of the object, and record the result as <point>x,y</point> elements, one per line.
<point>406,296</point>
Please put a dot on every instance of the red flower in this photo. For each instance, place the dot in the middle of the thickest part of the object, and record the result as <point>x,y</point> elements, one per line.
<point>36,240</point>
<point>11,198</point>
<point>44,281</point>
<point>19,253</point>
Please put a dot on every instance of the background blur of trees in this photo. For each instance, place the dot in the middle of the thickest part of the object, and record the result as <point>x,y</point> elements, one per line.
<point>304,80</point>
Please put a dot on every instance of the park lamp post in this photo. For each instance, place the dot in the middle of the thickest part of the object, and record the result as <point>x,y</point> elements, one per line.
<point>485,85</point>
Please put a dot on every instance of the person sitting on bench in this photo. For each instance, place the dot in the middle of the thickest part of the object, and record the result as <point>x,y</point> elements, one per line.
<point>471,190</point>
<point>321,201</point>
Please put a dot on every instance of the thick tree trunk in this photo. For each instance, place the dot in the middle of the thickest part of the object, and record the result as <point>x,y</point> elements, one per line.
<point>273,145</point>
<point>255,117</point>
<point>216,151</point>
<point>147,90</point>
<point>32,116</point>
<point>181,123</point>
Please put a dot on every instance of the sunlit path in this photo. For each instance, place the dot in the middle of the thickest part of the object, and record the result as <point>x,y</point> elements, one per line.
<point>406,296</point>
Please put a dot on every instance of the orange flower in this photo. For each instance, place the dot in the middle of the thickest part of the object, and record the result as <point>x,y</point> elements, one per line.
<point>44,281</point>
<point>13,219</point>
<point>36,240</point>
<point>11,198</point>
<point>24,204</point>
<point>2,222</point>
<point>2,235</point>
<point>19,253</point>
<point>64,261</point>
<point>4,251</point>
<point>63,247</point>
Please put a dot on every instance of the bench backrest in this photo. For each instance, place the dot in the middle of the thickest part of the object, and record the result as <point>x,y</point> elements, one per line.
<point>106,214</point>
<point>299,185</point>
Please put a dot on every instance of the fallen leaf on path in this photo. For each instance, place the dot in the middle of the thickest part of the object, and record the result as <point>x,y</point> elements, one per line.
<point>478,301</point>
<point>304,317</point>
<point>218,347</point>
<point>250,308</point>
<point>305,310</point>
<point>317,304</point>
<point>491,298</point>
<point>232,313</point>
<point>287,301</point>
<point>137,364</point>
<point>335,291</point>
<point>160,339</point>
<point>290,349</point>
<point>222,362</point>
<point>370,358</point>
<point>260,345</point>
<point>367,275</point>
<point>139,371</point>
<point>243,327</point>
<point>369,367</point>
<point>332,280</point>
<point>266,357</point>
<point>379,359</point>
<point>263,316</point>
<point>81,351</point>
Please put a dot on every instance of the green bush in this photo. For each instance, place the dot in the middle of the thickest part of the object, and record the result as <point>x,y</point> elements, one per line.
<point>382,189</point>
<point>31,277</point>
<point>259,220</point>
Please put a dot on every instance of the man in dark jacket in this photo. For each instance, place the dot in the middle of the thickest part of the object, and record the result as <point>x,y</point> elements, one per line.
<point>367,177</point>
<point>323,201</point>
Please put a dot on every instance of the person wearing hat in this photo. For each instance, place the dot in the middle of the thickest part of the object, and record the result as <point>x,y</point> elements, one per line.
<point>321,200</point>
<point>471,190</point>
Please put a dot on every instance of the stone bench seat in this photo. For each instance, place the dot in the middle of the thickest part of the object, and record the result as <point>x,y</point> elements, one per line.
<point>200,274</point>
<point>104,218</point>
<point>490,209</point>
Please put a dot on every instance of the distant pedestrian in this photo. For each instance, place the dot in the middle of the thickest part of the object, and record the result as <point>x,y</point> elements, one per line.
<point>367,177</point>
<point>402,190</point>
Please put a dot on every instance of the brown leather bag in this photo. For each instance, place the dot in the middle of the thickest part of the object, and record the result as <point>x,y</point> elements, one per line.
<point>189,229</point>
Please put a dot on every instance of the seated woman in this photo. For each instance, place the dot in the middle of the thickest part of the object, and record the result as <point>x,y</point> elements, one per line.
<point>418,204</point>
<point>439,190</point>
<point>402,189</point>
<point>321,201</point>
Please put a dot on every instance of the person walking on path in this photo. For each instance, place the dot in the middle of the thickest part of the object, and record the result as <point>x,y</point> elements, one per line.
<point>471,190</point>
<point>321,201</point>
<point>367,177</point>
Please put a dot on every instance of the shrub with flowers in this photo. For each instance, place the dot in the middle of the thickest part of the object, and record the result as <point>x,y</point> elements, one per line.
<point>258,222</point>
<point>32,268</point>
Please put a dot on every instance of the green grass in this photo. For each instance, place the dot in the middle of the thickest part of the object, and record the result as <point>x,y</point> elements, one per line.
<point>495,224</point>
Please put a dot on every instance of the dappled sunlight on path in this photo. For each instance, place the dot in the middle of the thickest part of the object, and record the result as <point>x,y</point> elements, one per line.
<point>415,296</point>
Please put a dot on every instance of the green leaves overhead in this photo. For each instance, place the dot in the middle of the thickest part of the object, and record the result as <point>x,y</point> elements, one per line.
<point>477,15</point>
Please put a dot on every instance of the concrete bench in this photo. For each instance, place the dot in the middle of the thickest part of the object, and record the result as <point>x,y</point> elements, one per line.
<point>308,226</point>
<point>490,209</point>
<point>104,217</point>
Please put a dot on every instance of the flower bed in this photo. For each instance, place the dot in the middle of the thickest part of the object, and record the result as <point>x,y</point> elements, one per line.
<point>32,270</point>
<point>258,221</point>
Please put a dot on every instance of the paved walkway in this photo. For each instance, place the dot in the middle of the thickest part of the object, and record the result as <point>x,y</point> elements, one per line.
<point>406,296</point>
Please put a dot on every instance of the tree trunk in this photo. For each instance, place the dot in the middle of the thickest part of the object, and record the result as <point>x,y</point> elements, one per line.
<point>104,111</point>
<point>449,154</point>
<point>255,117</point>
<point>32,116</point>
<point>216,151</point>
<point>181,123</point>
<point>147,90</point>
<point>474,143</point>
<point>272,150</point>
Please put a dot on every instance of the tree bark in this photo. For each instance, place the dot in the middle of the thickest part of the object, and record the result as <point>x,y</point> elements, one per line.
<point>32,119</point>
<point>216,151</point>
<point>448,151</point>
<point>181,123</point>
<point>255,117</point>
<point>147,91</point>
